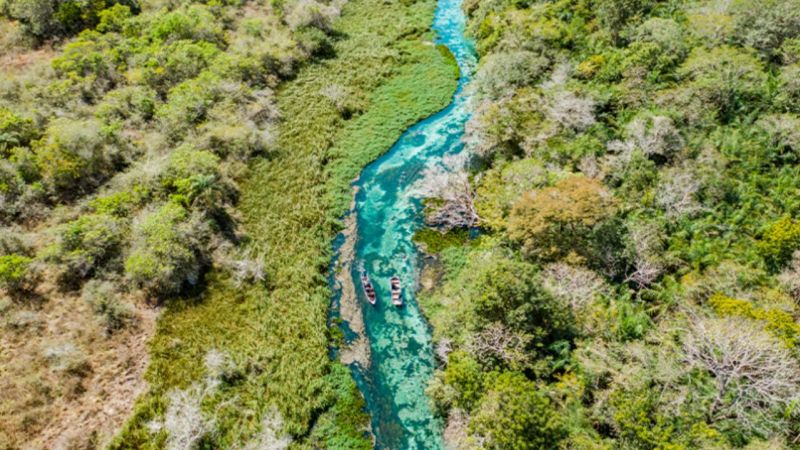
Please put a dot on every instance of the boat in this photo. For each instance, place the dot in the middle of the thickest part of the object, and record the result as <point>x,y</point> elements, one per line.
<point>397,298</point>
<point>369,289</point>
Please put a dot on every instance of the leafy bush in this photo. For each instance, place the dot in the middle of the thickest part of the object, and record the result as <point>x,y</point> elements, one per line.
<point>86,244</point>
<point>194,23</point>
<point>16,273</point>
<point>178,61</point>
<point>120,204</point>
<point>765,25</point>
<point>188,103</point>
<point>558,221</point>
<point>464,374</point>
<point>136,103</point>
<point>729,78</point>
<point>15,131</point>
<point>74,155</point>
<point>779,242</point>
<point>193,176</point>
<point>167,251</point>
<point>501,72</point>
<point>514,414</point>
<point>508,292</point>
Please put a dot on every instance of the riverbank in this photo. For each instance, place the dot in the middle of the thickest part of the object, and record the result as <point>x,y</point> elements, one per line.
<point>395,368</point>
<point>382,75</point>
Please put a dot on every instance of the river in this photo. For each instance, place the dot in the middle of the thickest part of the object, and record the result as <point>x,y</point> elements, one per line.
<point>396,361</point>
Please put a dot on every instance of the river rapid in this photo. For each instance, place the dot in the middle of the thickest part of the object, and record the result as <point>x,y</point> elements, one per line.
<point>390,348</point>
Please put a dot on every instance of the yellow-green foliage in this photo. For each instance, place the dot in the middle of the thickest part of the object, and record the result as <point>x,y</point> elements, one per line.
<point>13,271</point>
<point>680,117</point>
<point>14,131</point>
<point>555,221</point>
<point>778,322</point>
<point>502,185</point>
<point>779,241</point>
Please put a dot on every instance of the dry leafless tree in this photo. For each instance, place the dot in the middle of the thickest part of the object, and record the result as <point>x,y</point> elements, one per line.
<point>754,373</point>
<point>448,184</point>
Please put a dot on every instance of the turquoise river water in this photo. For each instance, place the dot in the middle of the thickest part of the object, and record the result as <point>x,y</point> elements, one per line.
<point>388,212</point>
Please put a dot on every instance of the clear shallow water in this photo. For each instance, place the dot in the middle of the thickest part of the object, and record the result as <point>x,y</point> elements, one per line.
<point>387,214</point>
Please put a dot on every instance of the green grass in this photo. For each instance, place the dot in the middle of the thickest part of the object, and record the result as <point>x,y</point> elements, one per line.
<point>434,241</point>
<point>291,204</point>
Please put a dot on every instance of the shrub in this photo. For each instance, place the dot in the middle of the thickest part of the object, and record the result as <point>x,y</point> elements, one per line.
<point>67,358</point>
<point>499,187</point>
<point>779,241</point>
<point>779,323</point>
<point>765,25</point>
<point>234,141</point>
<point>114,19</point>
<point>88,57</point>
<point>167,251</point>
<point>783,131</point>
<point>667,34</point>
<point>11,187</point>
<point>192,23</point>
<point>310,13</point>
<point>194,175</point>
<point>74,155</point>
<point>188,103</point>
<point>789,92</point>
<point>16,273</point>
<point>575,286</point>
<point>789,277</point>
<point>464,375</point>
<point>15,131</point>
<point>178,61</point>
<point>677,193</point>
<point>136,103</point>
<point>105,301</point>
<point>500,73</point>
<point>656,136</point>
<point>615,15</point>
<point>87,243</point>
<point>556,221</point>
<point>508,292</point>
<point>46,19</point>
<point>515,414</point>
<point>120,204</point>
<point>729,78</point>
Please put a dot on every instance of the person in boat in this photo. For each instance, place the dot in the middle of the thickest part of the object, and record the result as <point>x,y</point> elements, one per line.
<point>396,290</point>
<point>369,290</point>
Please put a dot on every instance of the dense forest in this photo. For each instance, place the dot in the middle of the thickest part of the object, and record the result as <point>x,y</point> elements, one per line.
<point>170,178</point>
<point>613,263</point>
<point>633,273</point>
